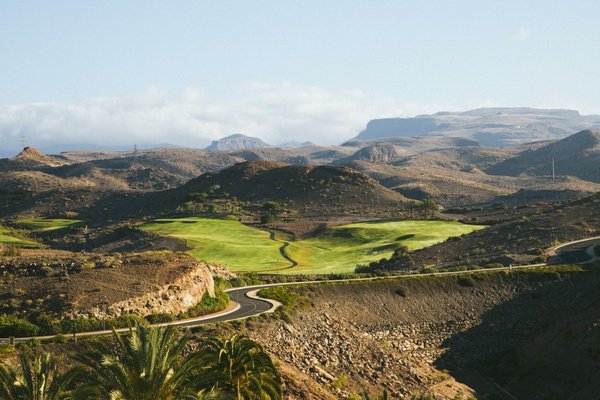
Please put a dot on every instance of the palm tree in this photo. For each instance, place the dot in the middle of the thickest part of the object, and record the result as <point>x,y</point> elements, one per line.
<point>39,378</point>
<point>239,366</point>
<point>145,364</point>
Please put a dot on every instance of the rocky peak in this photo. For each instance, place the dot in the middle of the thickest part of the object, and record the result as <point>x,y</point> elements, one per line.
<point>236,142</point>
<point>31,154</point>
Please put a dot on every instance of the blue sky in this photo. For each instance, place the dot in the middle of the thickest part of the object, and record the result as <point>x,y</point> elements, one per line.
<point>71,70</point>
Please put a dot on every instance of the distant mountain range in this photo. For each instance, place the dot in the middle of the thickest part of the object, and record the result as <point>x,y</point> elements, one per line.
<point>492,127</point>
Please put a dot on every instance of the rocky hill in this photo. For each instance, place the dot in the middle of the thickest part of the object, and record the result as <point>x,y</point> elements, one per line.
<point>577,155</point>
<point>378,153</point>
<point>236,141</point>
<point>157,169</point>
<point>303,188</point>
<point>492,127</point>
<point>528,233</point>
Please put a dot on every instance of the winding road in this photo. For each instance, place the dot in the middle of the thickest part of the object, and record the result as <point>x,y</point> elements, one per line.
<point>246,303</point>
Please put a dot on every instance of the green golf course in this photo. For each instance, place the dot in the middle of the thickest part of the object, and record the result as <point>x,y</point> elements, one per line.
<point>7,238</point>
<point>246,249</point>
<point>43,224</point>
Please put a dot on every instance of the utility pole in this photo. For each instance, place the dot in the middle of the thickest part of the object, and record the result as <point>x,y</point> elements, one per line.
<point>552,168</point>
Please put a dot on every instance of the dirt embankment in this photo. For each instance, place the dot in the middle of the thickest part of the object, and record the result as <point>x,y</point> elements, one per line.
<point>61,283</point>
<point>441,336</point>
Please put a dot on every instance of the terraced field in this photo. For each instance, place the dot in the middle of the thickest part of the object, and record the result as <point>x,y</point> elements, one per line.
<point>247,249</point>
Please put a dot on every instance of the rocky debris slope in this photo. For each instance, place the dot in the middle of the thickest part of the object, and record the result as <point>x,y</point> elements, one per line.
<point>403,334</point>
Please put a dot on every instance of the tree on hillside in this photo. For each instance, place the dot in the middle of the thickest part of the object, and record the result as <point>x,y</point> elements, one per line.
<point>428,205</point>
<point>239,366</point>
<point>38,377</point>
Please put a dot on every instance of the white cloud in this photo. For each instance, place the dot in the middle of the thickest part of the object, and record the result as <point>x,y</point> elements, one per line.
<point>274,112</point>
<point>521,34</point>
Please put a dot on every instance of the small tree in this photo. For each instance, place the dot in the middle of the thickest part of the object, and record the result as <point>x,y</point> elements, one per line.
<point>267,219</point>
<point>428,206</point>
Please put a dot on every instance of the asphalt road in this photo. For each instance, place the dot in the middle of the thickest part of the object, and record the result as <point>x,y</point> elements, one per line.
<point>247,304</point>
<point>574,252</point>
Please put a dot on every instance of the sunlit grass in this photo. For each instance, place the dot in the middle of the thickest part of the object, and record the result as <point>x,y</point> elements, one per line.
<point>42,224</point>
<point>338,250</point>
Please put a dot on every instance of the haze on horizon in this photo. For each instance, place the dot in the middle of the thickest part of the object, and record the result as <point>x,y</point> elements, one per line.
<point>185,72</point>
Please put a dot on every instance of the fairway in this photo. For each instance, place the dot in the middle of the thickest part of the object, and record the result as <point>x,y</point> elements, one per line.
<point>245,249</point>
<point>42,224</point>
<point>239,247</point>
<point>6,238</point>
<point>340,249</point>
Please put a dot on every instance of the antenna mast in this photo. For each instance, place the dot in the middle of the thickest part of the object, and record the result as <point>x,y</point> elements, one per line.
<point>553,168</point>
<point>22,139</point>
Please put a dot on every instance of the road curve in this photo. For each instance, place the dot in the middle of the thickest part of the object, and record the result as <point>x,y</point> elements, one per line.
<point>246,303</point>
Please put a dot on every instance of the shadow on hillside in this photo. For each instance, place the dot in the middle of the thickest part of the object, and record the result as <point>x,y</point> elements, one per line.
<point>537,345</point>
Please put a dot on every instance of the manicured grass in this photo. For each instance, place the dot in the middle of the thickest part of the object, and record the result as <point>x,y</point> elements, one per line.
<point>340,249</point>
<point>241,248</point>
<point>246,249</point>
<point>42,224</point>
<point>7,238</point>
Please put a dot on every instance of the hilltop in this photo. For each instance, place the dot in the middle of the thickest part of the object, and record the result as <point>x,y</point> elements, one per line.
<point>236,141</point>
<point>577,155</point>
<point>306,189</point>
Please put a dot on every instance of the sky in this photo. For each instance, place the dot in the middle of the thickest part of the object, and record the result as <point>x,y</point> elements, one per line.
<point>115,73</point>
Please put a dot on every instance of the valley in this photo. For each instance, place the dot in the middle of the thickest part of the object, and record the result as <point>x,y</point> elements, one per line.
<point>423,264</point>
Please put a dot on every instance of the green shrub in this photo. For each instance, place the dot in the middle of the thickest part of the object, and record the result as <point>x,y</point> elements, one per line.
<point>14,326</point>
<point>29,344</point>
<point>60,338</point>
<point>267,219</point>
<point>127,320</point>
<point>158,318</point>
<point>70,325</point>
<point>272,205</point>
<point>208,304</point>
<point>282,294</point>
<point>6,348</point>
<point>401,291</point>
<point>466,281</point>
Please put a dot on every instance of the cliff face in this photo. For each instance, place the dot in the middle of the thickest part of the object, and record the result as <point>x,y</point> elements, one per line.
<point>173,298</point>
<point>99,285</point>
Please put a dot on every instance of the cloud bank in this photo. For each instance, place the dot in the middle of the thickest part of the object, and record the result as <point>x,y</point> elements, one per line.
<point>275,113</point>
